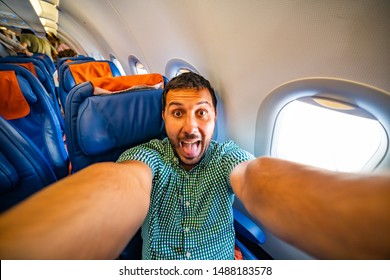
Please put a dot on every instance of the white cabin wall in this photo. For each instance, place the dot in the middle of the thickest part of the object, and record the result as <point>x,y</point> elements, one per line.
<point>160,32</point>
<point>255,46</point>
<point>98,26</point>
<point>245,48</point>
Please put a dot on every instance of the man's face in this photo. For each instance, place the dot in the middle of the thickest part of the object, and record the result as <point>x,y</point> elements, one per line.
<point>190,119</point>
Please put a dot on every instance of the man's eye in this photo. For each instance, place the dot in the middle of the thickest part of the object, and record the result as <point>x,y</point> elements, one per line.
<point>202,113</point>
<point>177,114</point>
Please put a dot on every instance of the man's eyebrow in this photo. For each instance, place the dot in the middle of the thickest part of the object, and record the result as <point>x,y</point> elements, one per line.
<point>175,103</point>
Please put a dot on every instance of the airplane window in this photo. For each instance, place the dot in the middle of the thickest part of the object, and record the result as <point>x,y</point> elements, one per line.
<point>97,55</point>
<point>178,66</point>
<point>181,71</point>
<point>328,134</point>
<point>140,68</point>
<point>117,64</point>
<point>329,123</point>
<point>136,66</point>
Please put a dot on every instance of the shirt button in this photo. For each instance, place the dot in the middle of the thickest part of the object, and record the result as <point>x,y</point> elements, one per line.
<point>187,229</point>
<point>187,203</point>
<point>188,254</point>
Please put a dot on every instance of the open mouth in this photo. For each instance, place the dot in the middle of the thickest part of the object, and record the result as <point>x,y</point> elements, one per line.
<point>190,148</point>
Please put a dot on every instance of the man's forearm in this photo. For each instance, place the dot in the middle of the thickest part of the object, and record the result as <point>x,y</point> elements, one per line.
<point>89,215</point>
<point>327,214</point>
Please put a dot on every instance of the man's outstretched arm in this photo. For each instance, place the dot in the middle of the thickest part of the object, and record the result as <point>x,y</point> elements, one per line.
<point>89,215</point>
<point>330,215</point>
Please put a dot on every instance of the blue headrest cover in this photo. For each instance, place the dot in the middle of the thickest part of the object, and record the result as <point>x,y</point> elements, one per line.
<point>108,122</point>
<point>26,90</point>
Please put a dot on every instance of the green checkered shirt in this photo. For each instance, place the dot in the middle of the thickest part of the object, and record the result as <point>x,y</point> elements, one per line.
<point>190,214</point>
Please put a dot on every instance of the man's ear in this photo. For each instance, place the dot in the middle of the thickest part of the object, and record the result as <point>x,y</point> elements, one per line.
<point>162,115</point>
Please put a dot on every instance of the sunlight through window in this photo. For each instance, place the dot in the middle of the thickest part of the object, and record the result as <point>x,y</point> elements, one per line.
<point>140,68</point>
<point>344,138</point>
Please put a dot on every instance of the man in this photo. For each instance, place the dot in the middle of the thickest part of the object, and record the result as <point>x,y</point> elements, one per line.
<point>190,214</point>
<point>36,44</point>
<point>94,213</point>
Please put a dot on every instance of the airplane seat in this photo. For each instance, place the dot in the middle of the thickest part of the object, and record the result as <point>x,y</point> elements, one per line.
<point>76,72</point>
<point>39,70</point>
<point>220,131</point>
<point>61,60</point>
<point>25,103</point>
<point>106,116</point>
<point>47,61</point>
<point>23,168</point>
<point>247,234</point>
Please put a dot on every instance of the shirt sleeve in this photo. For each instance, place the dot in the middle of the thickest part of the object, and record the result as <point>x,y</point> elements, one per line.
<point>145,153</point>
<point>233,156</point>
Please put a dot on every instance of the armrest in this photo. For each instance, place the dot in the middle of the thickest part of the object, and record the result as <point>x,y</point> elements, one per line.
<point>247,228</point>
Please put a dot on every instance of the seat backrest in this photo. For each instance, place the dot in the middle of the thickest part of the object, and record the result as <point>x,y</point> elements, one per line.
<point>61,60</point>
<point>25,103</point>
<point>23,168</point>
<point>47,61</point>
<point>101,127</point>
<point>76,72</point>
<point>43,76</point>
<point>41,72</point>
<point>106,116</point>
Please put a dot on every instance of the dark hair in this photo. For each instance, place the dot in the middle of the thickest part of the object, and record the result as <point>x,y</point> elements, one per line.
<point>27,31</point>
<point>67,53</point>
<point>189,80</point>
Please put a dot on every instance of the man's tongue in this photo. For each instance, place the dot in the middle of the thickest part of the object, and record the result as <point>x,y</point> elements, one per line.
<point>190,149</point>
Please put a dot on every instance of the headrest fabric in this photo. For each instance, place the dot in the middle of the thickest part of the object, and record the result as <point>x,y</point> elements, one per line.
<point>13,104</point>
<point>29,66</point>
<point>122,83</point>
<point>90,70</point>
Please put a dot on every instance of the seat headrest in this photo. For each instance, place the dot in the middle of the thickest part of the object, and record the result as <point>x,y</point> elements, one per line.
<point>109,122</point>
<point>101,127</point>
<point>27,90</point>
<point>13,103</point>
<point>8,176</point>
<point>124,83</point>
<point>29,66</point>
<point>87,71</point>
<point>62,60</point>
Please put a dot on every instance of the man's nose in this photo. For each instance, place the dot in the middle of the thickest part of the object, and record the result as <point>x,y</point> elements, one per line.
<point>190,124</point>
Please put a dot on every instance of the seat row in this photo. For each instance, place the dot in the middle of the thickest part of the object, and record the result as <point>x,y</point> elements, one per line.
<point>29,104</point>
